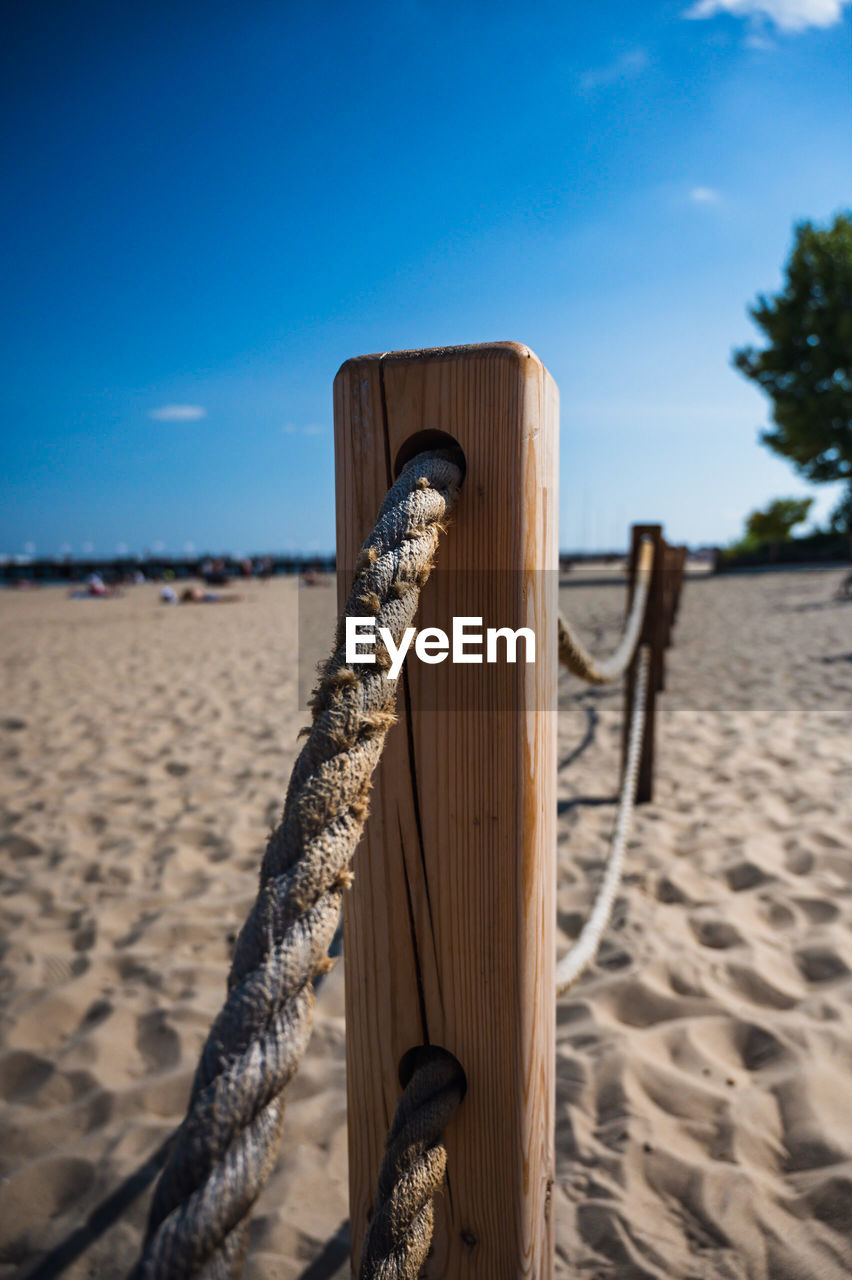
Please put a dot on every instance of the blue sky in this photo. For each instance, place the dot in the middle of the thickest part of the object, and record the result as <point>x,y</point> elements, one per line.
<point>209,207</point>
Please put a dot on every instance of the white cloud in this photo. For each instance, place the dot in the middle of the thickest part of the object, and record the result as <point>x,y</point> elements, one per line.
<point>756,40</point>
<point>788,15</point>
<point>704,195</point>
<point>178,413</point>
<point>624,68</point>
<point>312,429</point>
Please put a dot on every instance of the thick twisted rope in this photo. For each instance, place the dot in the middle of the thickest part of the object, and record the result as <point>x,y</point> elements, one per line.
<point>584,950</point>
<point>574,656</point>
<point>226,1147</point>
<point>412,1171</point>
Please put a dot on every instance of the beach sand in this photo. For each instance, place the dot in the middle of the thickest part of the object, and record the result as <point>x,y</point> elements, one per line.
<point>704,1065</point>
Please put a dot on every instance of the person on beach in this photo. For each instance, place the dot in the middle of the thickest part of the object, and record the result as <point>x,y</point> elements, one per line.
<point>197,595</point>
<point>96,589</point>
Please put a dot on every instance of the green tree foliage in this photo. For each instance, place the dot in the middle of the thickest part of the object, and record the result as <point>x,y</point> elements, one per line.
<point>777,521</point>
<point>806,368</point>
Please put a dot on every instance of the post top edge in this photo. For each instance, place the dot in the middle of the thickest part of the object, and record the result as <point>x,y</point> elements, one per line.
<point>517,351</point>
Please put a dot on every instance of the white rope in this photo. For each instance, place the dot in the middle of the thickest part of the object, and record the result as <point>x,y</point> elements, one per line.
<point>573,654</point>
<point>584,950</point>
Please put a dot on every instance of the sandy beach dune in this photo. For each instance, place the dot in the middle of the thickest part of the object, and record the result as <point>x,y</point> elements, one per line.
<point>704,1066</point>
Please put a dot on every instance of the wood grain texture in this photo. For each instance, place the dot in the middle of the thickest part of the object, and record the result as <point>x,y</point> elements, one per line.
<point>449,928</point>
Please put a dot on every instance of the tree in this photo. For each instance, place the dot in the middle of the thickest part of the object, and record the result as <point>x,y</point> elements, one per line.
<point>806,369</point>
<point>777,521</point>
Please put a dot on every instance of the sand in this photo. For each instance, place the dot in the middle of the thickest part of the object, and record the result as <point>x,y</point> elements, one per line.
<point>704,1068</point>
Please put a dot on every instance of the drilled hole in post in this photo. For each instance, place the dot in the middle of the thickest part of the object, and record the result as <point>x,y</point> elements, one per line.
<point>423,440</point>
<point>422,1054</point>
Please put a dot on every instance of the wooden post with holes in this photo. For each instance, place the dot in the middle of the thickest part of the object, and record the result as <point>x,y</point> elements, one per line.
<point>450,924</point>
<point>654,634</point>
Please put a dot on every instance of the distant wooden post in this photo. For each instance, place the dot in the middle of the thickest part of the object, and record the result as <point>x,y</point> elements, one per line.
<point>681,571</point>
<point>671,565</point>
<point>653,633</point>
<point>449,928</point>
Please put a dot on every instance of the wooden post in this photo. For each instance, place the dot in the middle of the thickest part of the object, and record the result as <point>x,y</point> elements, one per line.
<point>671,563</point>
<point>653,633</point>
<point>681,570</point>
<point>450,925</point>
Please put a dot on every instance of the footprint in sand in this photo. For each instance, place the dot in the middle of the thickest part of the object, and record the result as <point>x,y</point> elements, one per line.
<point>575,1011</point>
<point>19,848</point>
<point>570,923</point>
<point>757,1047</point>
<point>158,1043</point>
<point>778,915</point>
<point>829,1201</point>
<point>636,1004</point>
<point>809,1143</point>
<point>605,1231</point>
<point>571,1079</point>
<point>821,964</point>
<point>668,892</point>
<point>85,936</point>
<point>42,1190</point>
<point>749,983</point>
<point>718,934</point>
<point>799,861</point>
<point>818,910</point>
<point>23,1074</point>
<point>97,1012</point>
<point>745,875</point>
<point>137,929</point>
